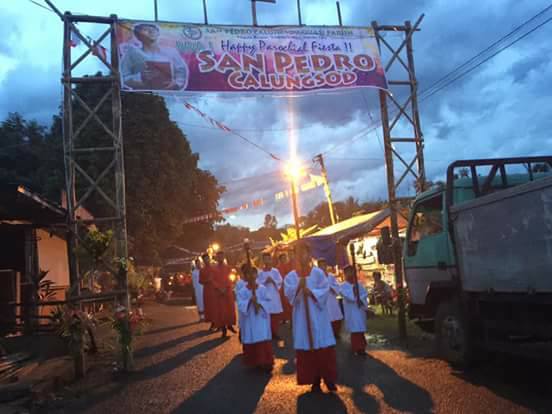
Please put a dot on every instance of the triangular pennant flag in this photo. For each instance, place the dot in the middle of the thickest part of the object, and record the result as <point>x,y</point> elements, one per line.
<point>75,39</point>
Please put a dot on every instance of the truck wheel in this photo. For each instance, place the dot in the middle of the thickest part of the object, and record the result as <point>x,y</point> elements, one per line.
<point>451,334</point>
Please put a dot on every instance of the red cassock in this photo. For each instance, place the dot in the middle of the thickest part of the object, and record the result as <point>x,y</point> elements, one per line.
<point>358,342</point>
<point>209,300</point>
<point>258,354</point>
<point>284,269</point>
<point>224,313</point>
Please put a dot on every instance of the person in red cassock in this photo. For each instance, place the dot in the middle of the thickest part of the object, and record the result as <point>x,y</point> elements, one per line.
<point>224,315</point>
<point>209,298</point>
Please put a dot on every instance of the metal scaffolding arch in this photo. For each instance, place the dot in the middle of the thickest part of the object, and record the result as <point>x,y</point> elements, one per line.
<point>109,182</point>
<point>401,78</point>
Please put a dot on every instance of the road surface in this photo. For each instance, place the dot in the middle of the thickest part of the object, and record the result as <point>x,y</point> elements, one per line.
<point>182,368</point>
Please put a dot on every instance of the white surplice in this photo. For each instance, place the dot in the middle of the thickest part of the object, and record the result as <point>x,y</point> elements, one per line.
<point>198,291</point>
<point>240,284</point>
<point>334,309</point>
<point>254,326</point>
<point>355,315</point>
<point>273,289</point>
<point>321,328</point>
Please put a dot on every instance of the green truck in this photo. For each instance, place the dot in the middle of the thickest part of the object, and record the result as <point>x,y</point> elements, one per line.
<point>478,258</point>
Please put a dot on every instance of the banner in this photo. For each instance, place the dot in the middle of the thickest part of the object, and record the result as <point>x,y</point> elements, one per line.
<point>161,57</point>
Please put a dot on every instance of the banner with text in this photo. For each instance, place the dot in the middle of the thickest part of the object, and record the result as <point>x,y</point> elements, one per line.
<point>164,57</point>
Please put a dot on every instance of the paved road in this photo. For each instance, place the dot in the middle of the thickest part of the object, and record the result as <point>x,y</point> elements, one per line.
<point>184,369</point>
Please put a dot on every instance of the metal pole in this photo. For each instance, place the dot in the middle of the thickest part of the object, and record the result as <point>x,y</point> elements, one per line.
<point>205,12</point>
<point>295,209</point>
<point>120,199</point>
<point>339,13</point>
<point>155,9</point>
<point>327,189</point>
<point>415,111</point>
<point>397,259</point>
<point>299,12</point>
<point>254,12</point>
<point>68,158</point>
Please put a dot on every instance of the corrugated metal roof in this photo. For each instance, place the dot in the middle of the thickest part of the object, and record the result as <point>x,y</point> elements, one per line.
<point>352,223</point>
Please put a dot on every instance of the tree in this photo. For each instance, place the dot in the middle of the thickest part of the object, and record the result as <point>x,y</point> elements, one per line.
<point>344,209</point>
<point>163,181</point>
<point>164,184</point>
<point>30,156</point>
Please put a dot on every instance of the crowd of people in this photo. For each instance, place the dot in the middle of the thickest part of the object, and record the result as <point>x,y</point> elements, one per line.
<point>302,294</point>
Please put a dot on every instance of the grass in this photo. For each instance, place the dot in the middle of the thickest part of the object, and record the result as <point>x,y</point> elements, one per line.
<point>384,329</point>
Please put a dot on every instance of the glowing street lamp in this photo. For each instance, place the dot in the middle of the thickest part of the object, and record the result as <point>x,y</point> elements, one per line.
<point>215,247</point>
<point>294,170</point>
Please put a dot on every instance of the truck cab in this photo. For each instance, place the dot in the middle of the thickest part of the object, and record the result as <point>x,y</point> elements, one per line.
<point>434,276</point>
<point>428,255</point>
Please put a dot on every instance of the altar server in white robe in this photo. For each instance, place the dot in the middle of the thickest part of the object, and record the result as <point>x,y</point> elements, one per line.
<point>256,337</point>
<point>271,279</point>
<point>198,289</point>
<point>239,284</point>
<point>334,309</point>
<point>307,290</point>
<point>355,305</point>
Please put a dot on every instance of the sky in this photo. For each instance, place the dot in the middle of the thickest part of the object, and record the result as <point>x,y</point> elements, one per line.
<point>499,109</point>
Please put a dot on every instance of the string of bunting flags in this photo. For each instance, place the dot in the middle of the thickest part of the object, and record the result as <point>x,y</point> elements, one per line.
<point>314,182</point>
<point>222,127</point>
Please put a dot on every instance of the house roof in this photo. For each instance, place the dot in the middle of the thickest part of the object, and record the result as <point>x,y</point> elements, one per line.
<point>19,205</point>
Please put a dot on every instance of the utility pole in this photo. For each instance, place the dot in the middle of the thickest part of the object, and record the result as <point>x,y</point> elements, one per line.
<point>155,9</point>
<point>320,159</point>
<point>295,209</point>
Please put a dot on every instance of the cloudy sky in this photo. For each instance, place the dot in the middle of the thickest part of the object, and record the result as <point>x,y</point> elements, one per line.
<point>499,109</point>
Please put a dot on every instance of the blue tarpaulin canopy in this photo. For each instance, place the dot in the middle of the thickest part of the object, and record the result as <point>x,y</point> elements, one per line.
<point>331,242</point>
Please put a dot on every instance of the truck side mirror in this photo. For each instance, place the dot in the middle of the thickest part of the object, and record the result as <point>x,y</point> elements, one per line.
<point>385,236</point>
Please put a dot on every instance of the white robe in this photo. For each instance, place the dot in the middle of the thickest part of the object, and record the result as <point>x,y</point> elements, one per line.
<point>273,289</point>
<point>355,315</point>
<point>198,291</point>
<point>240,284</point>
<point>254,327</point>
<point>333,304</point>
<point>321,328</point>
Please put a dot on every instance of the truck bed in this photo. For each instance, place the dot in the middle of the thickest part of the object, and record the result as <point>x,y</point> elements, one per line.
<point>504,240</point>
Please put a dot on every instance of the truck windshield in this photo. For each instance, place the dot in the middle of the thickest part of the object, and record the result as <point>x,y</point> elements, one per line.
<point>427,219</point>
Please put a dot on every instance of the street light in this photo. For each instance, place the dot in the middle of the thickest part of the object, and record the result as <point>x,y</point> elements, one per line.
<point>215,247</point>
<point>294,170</point>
